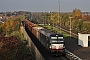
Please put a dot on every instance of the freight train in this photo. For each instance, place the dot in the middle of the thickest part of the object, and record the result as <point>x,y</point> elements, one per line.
<point>51,40</point>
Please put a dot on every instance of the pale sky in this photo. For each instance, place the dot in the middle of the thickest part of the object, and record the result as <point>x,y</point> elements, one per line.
<point>44,5</point>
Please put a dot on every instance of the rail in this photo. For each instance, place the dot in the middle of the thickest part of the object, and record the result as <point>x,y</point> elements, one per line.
<point>71,56</point>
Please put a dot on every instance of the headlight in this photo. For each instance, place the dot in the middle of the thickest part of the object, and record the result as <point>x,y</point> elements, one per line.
<point>53,47</point>
<point>50,47</point>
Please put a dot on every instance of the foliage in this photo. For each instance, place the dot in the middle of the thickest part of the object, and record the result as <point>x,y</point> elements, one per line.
<point>11,25</point>
<point>77,14</point>
<point>11,41</point>
<point>19,35</point>
<point>78,23</point>
<point>13,49</point>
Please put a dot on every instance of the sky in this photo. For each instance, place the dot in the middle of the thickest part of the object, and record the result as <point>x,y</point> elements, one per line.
<point>44,5</point>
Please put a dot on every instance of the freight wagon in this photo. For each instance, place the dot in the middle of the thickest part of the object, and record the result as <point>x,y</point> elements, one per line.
<point>52,41</point>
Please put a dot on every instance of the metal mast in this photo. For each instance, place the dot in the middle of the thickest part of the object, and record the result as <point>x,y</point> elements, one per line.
<point>59,18</point>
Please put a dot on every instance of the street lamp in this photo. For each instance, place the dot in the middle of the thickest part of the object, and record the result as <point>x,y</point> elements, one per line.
<point>70,26</point>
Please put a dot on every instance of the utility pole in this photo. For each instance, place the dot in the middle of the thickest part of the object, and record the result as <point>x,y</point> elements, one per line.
<point>52,20</point>
<point>70,27</point>
<point>59,18</point>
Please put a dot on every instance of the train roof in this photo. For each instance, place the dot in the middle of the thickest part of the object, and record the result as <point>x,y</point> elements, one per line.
<point>38,28</point>
<point>45,32</point>
<point>56,35</point>
<point>31,24</point>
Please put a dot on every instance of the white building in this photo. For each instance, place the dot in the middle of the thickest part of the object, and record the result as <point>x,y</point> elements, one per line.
<point>83,39</point>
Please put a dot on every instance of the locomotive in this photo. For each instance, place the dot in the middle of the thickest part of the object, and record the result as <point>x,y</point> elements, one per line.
<point>52,41</point>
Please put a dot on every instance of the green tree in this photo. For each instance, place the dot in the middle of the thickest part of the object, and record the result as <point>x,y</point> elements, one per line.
<point>80,25</point>
<point>64,18</point>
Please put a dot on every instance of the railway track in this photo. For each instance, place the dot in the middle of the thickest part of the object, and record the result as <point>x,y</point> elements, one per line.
<point>76,35</point>
<point>58,58</point>
<point>42,50</point>
<point>46,55</point>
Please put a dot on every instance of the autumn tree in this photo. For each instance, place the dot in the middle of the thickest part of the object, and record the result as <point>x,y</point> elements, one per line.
<point>77,14</point>
<point>64,18</point>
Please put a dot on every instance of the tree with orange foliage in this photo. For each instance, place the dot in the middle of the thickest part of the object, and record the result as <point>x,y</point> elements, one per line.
<point>77,14</point>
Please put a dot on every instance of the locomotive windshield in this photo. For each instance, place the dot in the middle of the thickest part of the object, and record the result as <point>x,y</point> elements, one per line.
<point>56,40</point>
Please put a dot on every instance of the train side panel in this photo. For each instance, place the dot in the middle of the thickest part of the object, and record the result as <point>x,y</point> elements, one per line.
<point>35,31</point>
<point>44,39</point>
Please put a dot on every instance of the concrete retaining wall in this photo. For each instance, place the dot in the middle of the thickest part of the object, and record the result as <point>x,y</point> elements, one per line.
<point>34,49</point>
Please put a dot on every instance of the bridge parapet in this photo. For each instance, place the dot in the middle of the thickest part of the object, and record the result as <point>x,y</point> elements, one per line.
<point>34,49</point>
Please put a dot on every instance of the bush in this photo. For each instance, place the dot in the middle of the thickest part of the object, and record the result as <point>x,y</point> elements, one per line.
<point>13,49</point>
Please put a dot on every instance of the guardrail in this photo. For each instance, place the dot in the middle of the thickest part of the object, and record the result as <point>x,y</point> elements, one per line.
<point>71,56</point>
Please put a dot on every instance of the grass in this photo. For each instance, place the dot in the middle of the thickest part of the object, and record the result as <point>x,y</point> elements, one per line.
<point>56,29</point>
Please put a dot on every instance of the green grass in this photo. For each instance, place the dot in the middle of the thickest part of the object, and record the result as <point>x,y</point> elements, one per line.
<point>56,29</point>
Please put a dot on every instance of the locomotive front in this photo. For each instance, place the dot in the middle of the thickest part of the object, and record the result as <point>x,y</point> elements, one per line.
<point>57,45</point>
